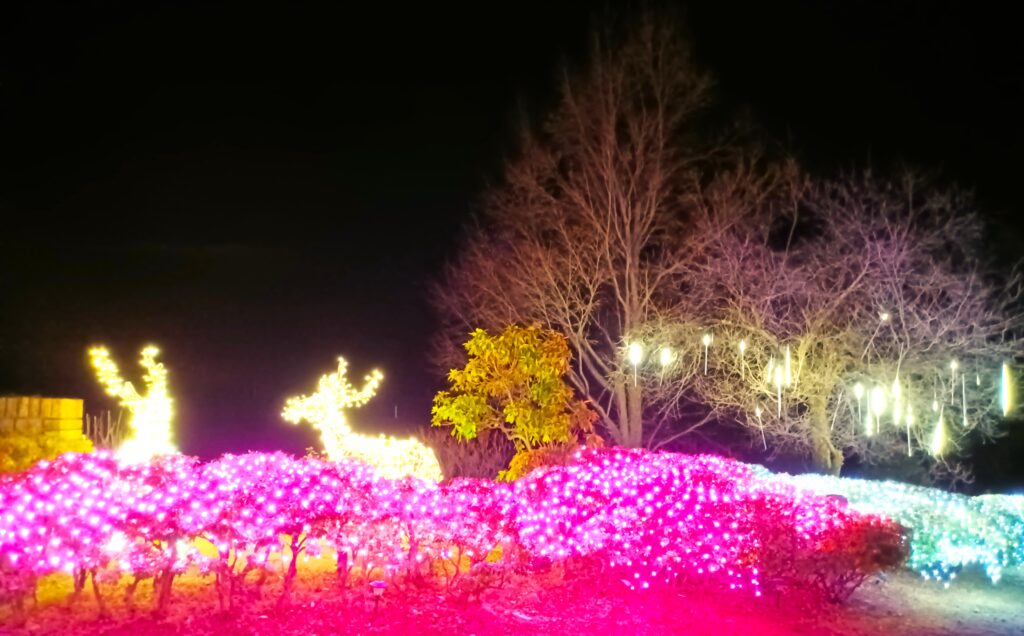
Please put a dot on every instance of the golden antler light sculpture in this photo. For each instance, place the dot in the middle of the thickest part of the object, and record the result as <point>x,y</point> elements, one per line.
<point>325,410</point>
<point>149,424</point>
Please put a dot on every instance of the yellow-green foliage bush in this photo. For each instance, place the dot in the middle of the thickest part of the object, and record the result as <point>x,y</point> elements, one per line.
<point>526,461</point>
<point>19,452</point>
<point>514,383</point>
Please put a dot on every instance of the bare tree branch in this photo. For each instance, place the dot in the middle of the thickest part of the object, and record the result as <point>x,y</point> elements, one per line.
<point>583,234</point>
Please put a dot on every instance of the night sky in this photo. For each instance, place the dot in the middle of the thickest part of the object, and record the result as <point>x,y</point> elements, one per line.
<point>260,188</point>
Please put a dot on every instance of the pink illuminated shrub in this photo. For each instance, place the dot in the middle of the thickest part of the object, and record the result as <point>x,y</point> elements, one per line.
<point>647,518</point>
<point>822,547</point>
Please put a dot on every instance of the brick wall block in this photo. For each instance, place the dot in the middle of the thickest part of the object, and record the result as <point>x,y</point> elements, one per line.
<point>29,425</point>
<point>63,425</point>
<point>66,408</point>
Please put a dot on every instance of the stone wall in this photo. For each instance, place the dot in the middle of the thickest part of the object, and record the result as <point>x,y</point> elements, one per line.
<point>35,428</point>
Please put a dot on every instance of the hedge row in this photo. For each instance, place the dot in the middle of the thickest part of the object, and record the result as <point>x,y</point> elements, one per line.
<point>647,518</point>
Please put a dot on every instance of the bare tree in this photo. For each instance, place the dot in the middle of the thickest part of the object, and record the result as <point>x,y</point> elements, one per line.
<point>829,317</point>
<point>583,235</point>
<point>852,317</point>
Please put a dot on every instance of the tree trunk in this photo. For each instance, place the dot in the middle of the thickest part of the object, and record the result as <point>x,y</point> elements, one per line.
<point>628,431</point>
<point>826,457</point>
<point>627,424</point>
<point>618,429</point>
<point>341,567</point>
<point>129,593</point>
<point>163,591</point>
<point>293,570</point>
<point>78,578</point>
<point>163,598</point>
<point>634,416</point>
<point>96,593</point>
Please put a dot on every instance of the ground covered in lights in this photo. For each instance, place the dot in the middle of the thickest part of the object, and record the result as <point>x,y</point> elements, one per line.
<point>553,604</point>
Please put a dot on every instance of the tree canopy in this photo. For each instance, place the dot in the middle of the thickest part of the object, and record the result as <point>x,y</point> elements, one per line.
<point>856,316</point>
<point>581,235</point>
<point>514,382</point>
<point>698,278</point>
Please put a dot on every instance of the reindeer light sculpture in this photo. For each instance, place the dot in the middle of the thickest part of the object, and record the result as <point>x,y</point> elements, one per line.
<point>325,411</point>
<point>149,425</point>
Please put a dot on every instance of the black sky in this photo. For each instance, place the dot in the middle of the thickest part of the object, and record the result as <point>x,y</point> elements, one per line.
<point>261,187</point>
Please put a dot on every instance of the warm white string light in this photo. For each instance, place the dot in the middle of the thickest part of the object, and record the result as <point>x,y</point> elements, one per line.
<point>963,397</point>
<point>1005,390</point>
<point>706,341</point>
<point>938,444</point>
<point>760,424</point>
<point>149,425</point>
<point>325,410</point>
<point>873,402</point>
<point>635,353</point>
<point>788,371</point>
<point>878,405</point>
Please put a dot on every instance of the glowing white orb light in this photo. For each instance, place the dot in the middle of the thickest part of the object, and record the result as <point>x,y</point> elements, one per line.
<point>1006,390</point>
<point>789,373</point>
<point>858,391</point>
<point>778,389</point>
<point>878,401</point>
<point>897,401</point>
<point>878,404</point>
<point>938,445</point>
<point>706,341</point>
<point>635,353</point>
<point>760,424</point>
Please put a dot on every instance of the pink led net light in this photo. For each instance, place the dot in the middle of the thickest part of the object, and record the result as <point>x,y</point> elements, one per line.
<point>648,517</point>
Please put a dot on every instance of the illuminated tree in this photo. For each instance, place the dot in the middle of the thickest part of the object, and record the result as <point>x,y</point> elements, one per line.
<point>514,383</point>
<point>325,410</point>
<point>852,317</point>
<point>582,236</point>
<point>149,426</point>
